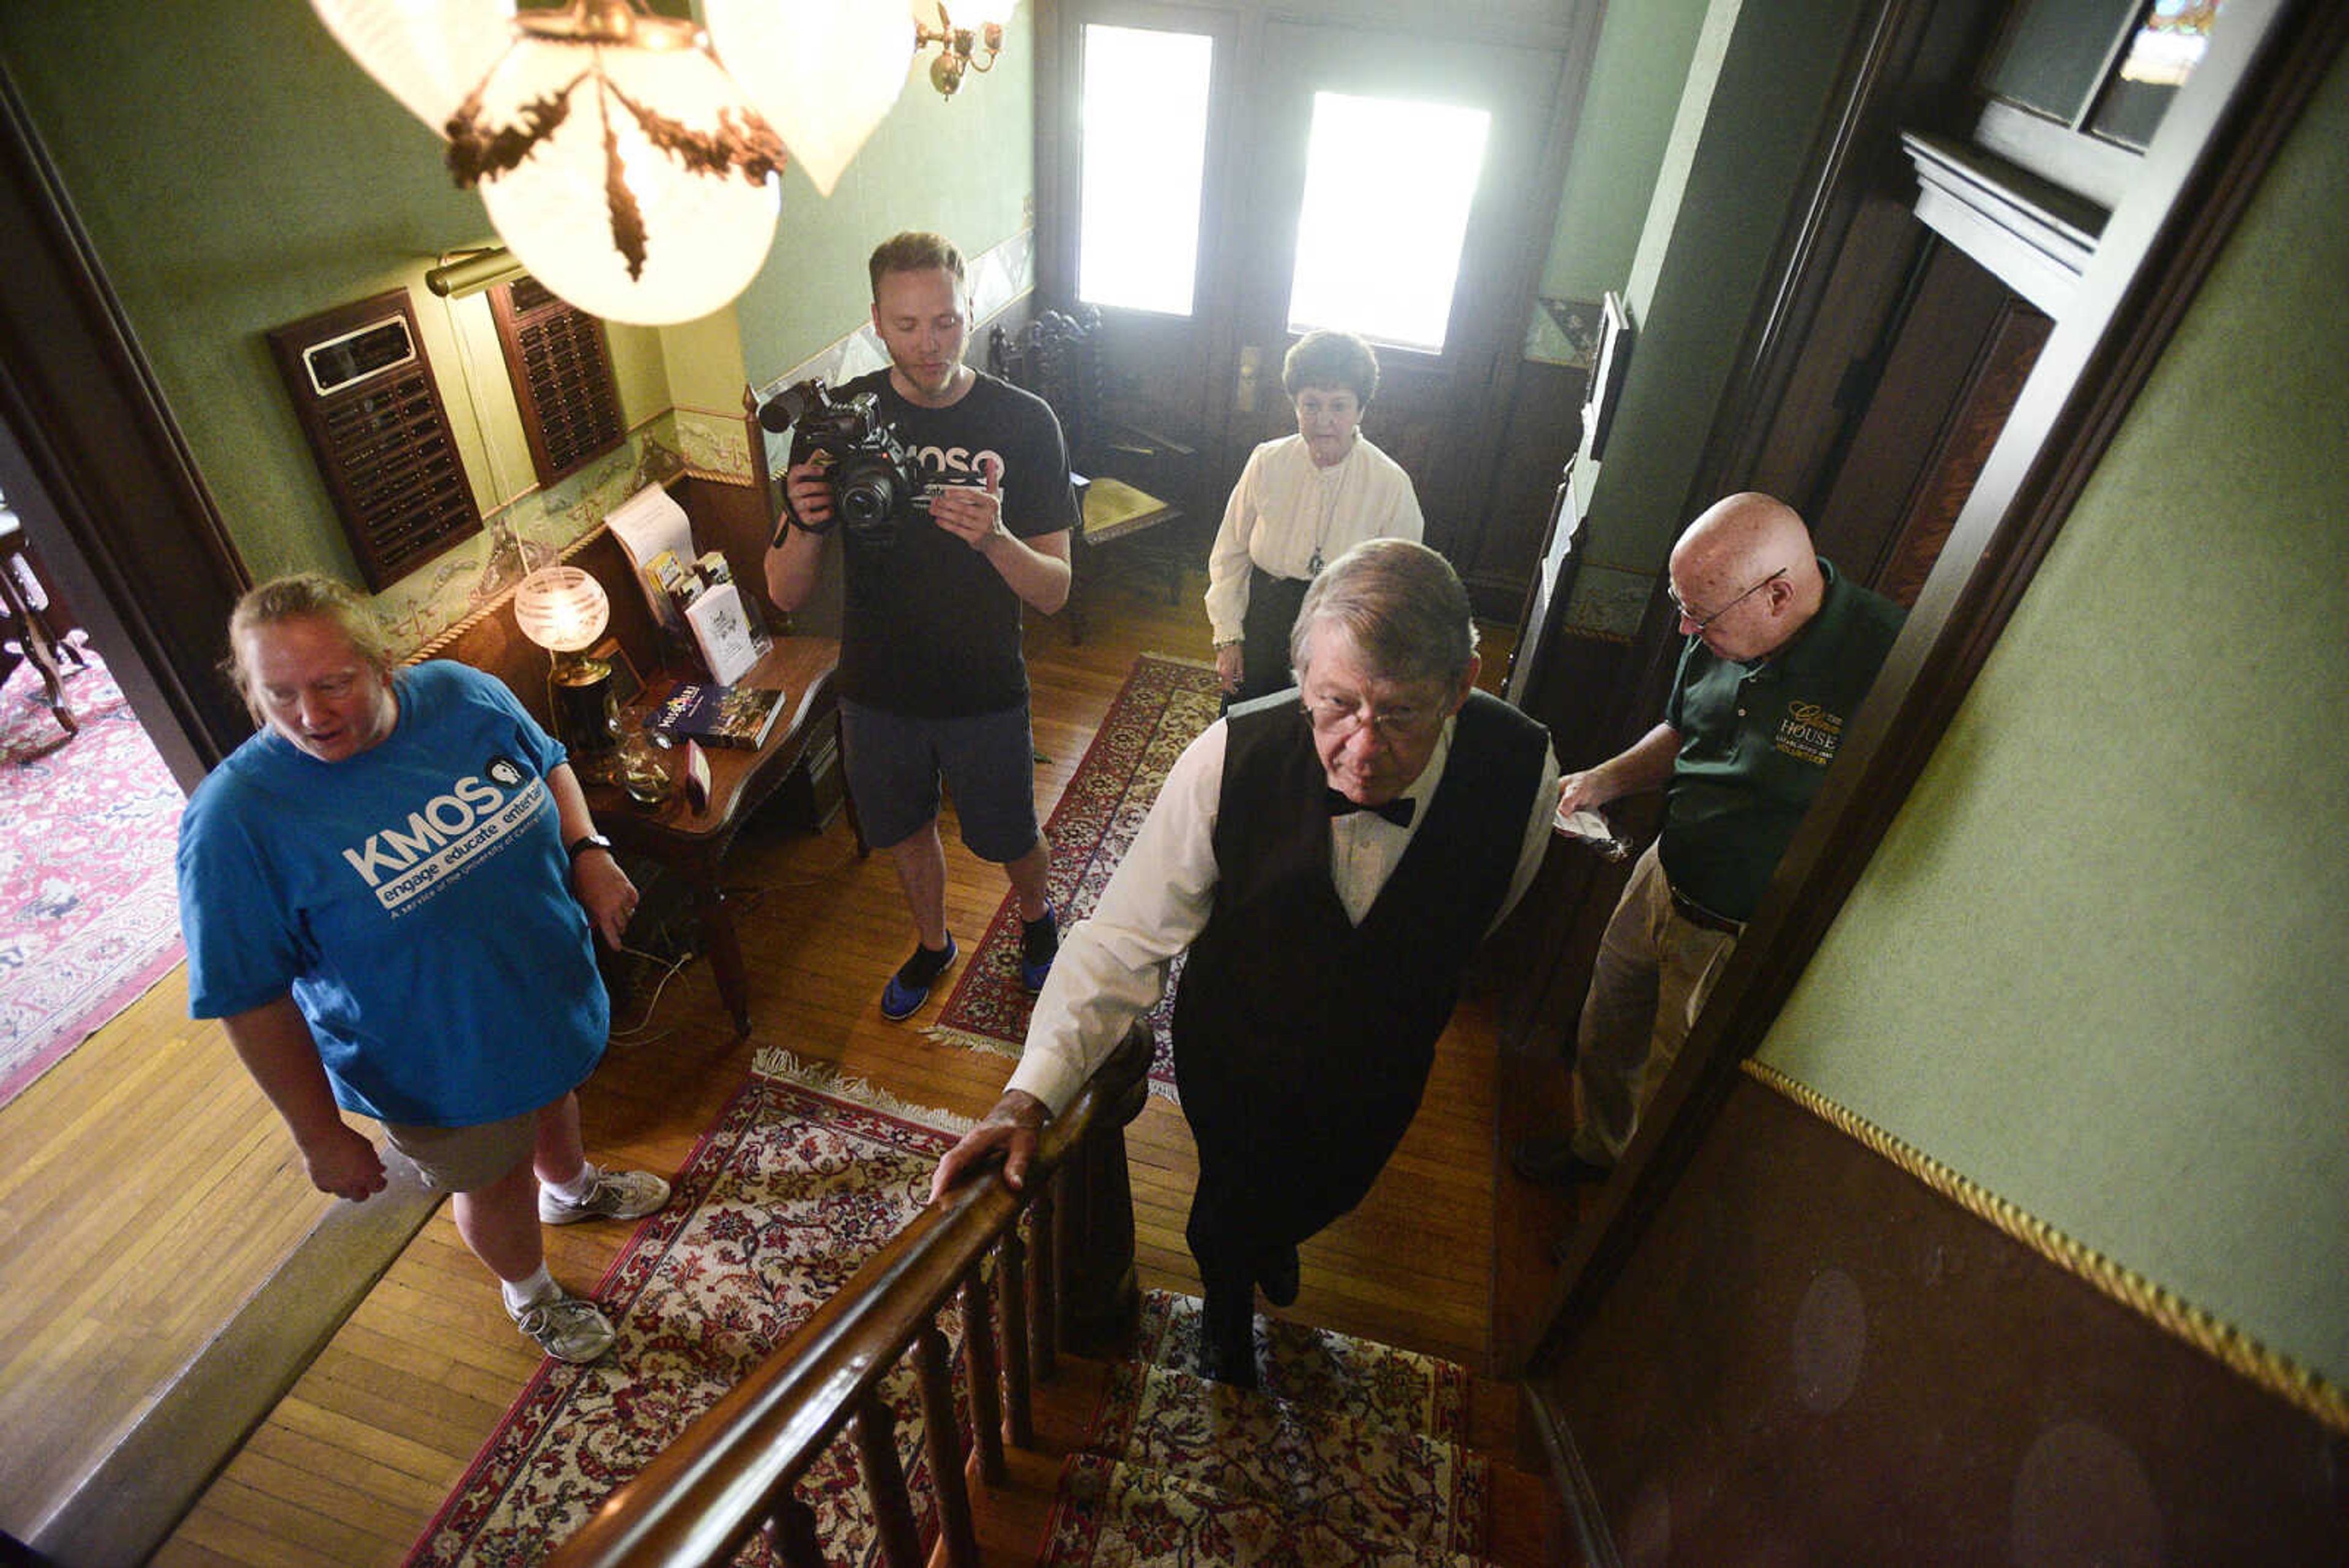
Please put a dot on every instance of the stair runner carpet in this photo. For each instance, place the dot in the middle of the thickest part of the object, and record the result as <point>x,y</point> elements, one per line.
<point>1351,1453</point>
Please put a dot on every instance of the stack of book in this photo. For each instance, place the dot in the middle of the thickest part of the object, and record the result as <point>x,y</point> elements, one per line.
<point>717,715</point>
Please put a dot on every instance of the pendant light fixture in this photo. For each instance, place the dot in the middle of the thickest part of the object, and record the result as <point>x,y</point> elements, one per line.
<point>427,54</point>
<point>621,163</point>
<point>824,72</point>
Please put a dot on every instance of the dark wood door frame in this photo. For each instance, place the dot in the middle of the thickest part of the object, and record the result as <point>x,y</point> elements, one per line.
<point>2221,134</point>
<point>1570,32</point>
<point>93,462</point>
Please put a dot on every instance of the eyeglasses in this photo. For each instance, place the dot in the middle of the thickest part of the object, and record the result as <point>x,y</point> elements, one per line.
<point>1335,720</point>
<point>1701,622</point>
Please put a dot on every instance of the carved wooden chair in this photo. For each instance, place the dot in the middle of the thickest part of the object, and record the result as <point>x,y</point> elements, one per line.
<point>1128,480</point>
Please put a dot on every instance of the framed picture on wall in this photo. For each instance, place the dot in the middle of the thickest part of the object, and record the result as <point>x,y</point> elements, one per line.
<point>1611,361</point>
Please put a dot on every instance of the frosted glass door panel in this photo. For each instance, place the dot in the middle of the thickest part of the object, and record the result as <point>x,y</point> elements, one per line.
<point>1388,186</point>
<point>1145,157</point>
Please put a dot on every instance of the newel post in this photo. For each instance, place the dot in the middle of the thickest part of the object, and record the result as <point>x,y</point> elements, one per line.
<point>1093,1218</point>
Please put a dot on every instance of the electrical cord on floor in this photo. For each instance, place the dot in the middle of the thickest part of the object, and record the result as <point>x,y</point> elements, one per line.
<point>635,1033</point>
<point>747,896</point>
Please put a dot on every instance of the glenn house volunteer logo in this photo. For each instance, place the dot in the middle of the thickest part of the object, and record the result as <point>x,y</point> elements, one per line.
<point>1810,732</point>
<point>448,834</point>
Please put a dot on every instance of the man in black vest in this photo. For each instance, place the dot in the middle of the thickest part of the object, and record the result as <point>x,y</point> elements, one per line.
<point>1330,857</point>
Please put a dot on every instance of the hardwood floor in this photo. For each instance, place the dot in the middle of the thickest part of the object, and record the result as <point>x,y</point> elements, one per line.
<point>146,1192</point>
<point>149,1189</point>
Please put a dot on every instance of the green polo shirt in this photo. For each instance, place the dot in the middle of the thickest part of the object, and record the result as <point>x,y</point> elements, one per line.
<point>1755,741</point>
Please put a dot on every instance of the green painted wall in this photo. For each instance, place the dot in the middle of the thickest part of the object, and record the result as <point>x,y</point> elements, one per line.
<point>1758,85</point>
<point>2101,964</point>
<point>1636,76</point>
<point>236,171</point>
<point>964,166</point>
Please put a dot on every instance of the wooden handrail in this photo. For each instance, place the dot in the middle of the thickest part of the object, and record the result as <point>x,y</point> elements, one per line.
<point>730,1472</point>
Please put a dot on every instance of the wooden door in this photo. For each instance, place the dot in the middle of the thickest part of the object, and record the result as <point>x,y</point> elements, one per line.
<point>1210,373</point>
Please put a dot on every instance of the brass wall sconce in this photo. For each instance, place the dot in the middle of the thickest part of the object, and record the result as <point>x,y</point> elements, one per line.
<point>960,49</point>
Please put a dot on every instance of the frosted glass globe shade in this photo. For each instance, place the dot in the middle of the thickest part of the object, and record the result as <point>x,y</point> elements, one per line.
<point>427,54</point>
<point>824,72</point>
<point>705,235</point>
<point>561,609</point>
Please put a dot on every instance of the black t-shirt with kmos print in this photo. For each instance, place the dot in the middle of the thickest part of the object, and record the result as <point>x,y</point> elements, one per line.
<point>930,628</point>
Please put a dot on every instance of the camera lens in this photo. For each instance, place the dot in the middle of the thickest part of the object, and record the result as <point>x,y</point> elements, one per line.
<point>788,407</point>
<point>866,491</point>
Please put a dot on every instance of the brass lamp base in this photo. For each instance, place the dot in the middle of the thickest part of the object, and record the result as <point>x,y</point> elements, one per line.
<point>587,717</point>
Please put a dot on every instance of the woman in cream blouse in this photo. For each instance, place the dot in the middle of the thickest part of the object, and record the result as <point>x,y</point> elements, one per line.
<point>1301,501</point>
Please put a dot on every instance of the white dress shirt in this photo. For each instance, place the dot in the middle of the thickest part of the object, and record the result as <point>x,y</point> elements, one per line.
<point>1285,510</point>
<point>1112,967</point>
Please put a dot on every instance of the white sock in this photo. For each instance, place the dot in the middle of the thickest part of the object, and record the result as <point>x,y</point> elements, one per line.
<point>578,1187</point>
<point>520,1293</point>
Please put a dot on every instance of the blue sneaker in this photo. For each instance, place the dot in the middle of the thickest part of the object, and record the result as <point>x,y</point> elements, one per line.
<point>1039,944</point>
<point>910,986</point>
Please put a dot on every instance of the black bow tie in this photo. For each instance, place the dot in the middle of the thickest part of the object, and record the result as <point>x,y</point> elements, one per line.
<point>1397,811</point>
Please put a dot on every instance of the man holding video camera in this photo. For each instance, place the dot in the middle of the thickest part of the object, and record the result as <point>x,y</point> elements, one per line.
<point>932,680</point>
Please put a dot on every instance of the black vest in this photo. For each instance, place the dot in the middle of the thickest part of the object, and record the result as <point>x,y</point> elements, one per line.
<point>1302,1042</point>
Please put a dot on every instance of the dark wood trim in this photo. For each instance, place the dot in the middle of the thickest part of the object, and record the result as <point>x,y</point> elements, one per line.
<point>1846,163</point>
<point>1585,1516</point>
<point>93,462</point>
<point>2036,238</point>
<point>1851,157</point>
<point>2067,154</point>
<point>2220,136</point>
<point>1490,365</point>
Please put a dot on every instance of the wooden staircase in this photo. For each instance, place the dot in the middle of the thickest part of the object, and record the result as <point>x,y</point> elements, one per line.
<point>1351,1453</point>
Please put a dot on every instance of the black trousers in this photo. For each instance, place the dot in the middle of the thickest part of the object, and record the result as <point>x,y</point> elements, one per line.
<point>1264,655</point>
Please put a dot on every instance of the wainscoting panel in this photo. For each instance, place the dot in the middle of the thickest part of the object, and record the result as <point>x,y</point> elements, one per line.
<point>1815,1357</point>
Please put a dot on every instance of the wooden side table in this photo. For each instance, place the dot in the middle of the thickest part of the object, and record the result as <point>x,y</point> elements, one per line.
<point>27,624</point>
<point>695,843</point>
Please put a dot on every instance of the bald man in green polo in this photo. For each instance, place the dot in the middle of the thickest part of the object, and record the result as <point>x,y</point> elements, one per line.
<point>1780,650</point>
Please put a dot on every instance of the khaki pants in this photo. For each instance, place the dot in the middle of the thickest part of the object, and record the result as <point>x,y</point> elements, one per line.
<point>1655,969</point>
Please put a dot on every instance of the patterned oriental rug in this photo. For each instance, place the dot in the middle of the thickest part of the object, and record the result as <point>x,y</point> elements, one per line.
<point>1353,1453</point>
<point>89,911</point>
<point>792,1190</point>
<point>1164,705</point>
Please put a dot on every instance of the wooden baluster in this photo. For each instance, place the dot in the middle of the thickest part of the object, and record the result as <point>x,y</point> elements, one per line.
<point>791,1534</point>
<point>1015,1339</point>
<point>884,1482</point>
<point>1097,1291</point>
<point>1043,1313</point>
<point>986,1394</point>
<point>935,1361</point>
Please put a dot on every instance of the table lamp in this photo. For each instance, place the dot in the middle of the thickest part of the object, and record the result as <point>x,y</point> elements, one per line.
<point>564,610</point>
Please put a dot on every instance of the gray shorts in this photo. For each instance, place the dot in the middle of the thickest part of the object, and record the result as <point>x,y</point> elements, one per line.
<point>466,1159</point>
<point>894,764</point>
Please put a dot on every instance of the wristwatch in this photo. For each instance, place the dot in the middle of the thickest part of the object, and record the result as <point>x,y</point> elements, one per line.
<point>586,841</point>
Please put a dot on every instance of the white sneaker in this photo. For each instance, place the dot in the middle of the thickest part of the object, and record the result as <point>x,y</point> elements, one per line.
<point>615,1195</point>
<point>565,1328</point>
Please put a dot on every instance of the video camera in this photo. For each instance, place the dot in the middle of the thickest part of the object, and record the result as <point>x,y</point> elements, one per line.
<point>876,479</point>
